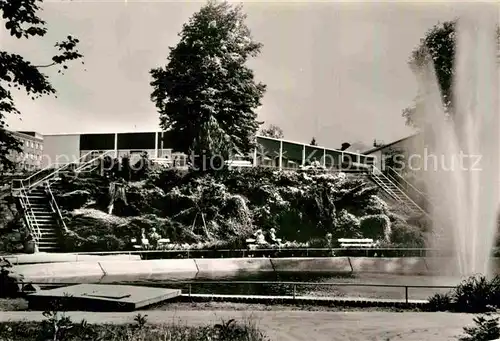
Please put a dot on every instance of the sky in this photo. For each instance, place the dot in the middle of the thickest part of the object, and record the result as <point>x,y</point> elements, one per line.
<point>335,71</point>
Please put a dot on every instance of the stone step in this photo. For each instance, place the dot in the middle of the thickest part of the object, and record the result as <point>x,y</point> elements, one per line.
<point>48,249</point>
<point>46,232</point>
<point>47,225</point>
<point>48,241</point>
<point>43,215</point>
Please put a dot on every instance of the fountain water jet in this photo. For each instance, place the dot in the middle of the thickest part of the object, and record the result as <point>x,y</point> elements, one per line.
<point>461,151</point>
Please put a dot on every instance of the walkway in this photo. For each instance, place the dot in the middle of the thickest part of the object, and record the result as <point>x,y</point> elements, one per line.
<point>308,299</point>
<point>301,325</point>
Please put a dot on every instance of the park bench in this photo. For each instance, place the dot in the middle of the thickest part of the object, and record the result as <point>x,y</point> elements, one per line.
<point>356,243</point>
<point>145,243</point>
<point>238,163</point>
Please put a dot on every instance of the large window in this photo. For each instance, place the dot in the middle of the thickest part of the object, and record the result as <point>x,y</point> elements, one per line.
<point>97,141</point>
<point>268,151</point>
<point>292,155</point>
<point>135,141</point>
<point>314,154</point>
<point>333,158</point>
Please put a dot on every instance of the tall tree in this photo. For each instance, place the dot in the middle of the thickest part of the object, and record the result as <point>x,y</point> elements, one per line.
<point>272,131</point>
<point>313,142</point>
<point>438,45</point>
<point>206,95</point>
<point>22,21</point>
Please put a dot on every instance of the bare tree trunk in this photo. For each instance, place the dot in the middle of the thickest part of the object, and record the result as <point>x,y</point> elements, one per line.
<point>207,233</point>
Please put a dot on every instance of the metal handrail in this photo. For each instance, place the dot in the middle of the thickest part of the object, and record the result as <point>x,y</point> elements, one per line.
<point>407,182</point>
<point>294,285</point>
<point>100,156</point>
<point>48,177</point>
<point>55,206</point>
<point>26,205</point>
<point>380,173</point>
<point>256,250</point>
<point>382,184</point>
<point>28,179</point>
<point>425,200</point>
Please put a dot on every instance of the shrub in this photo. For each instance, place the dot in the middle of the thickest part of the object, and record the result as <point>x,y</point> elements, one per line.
<point>73,200</point>
<point>440,302</point>
<point>377,227</point>
<point>231,205</point>
<point>486,329</point>
<point>475,294</point>
<point>8,279</point>
<point>346,225</point>
<point>405,235</point>
<point>58,327</point>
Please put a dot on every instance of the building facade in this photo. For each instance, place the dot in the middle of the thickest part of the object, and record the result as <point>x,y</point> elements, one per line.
<point>30,158</point>
<point>279,153</point>
<point>401,146</point>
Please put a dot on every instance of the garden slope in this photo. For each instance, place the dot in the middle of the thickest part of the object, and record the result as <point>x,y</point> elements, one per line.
<point>223,208</point>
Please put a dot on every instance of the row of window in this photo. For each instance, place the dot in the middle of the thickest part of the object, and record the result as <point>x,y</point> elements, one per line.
<point>29,156</point>
<point>34,145</point>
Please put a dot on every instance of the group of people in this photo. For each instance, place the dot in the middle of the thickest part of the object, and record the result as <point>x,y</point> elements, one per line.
<point>150,240</point>
<point>260,238</point>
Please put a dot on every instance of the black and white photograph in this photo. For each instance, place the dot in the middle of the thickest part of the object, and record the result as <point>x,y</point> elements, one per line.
<point>220,170</point>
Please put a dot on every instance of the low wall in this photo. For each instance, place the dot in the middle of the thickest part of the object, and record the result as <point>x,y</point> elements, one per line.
<point>108,271</point>
<point>42,257</point>
<point>67,272</point>
<point>166,269</point>
<point>188,269</point>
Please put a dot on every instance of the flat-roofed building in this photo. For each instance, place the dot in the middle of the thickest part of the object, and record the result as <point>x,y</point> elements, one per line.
<point>30,158</point>
<point>279,153</point>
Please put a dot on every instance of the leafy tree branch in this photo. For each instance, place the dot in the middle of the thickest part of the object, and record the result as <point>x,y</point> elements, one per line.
<point>21,20</point>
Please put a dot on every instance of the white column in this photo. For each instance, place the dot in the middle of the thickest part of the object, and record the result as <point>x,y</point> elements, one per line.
<point>303,155</point>
<point>255,157</point>
<point>324,157</point>
<point>281,155</point>
<point>156,145</point>
<point>116,145</point>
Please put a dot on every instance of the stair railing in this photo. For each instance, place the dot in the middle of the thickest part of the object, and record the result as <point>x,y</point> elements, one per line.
<point>407,186</point>
<point>30,218</point>
<point>379,173</point>
<point>375,174</point>
<point>35,179</point>
<point>54,206</point>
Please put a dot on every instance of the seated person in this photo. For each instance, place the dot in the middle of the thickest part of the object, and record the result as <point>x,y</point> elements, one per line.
<point>259,238</point>
<point>154,237</point>
<point>329,240</point>
<point>329,243</point>
<point>272,237</point>
<point>141,240</point>
<point>316,163</point>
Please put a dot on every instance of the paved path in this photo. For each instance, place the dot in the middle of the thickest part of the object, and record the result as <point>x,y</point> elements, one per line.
<point>307,298</point>
<point>301,325</point>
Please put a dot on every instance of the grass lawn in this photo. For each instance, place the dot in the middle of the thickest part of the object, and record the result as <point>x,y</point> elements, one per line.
<point>288,325</point>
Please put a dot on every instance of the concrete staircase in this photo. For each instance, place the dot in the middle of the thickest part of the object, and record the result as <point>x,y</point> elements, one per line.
<point>35,197</point>
<point>45,218</point>
<point>395,192</point>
